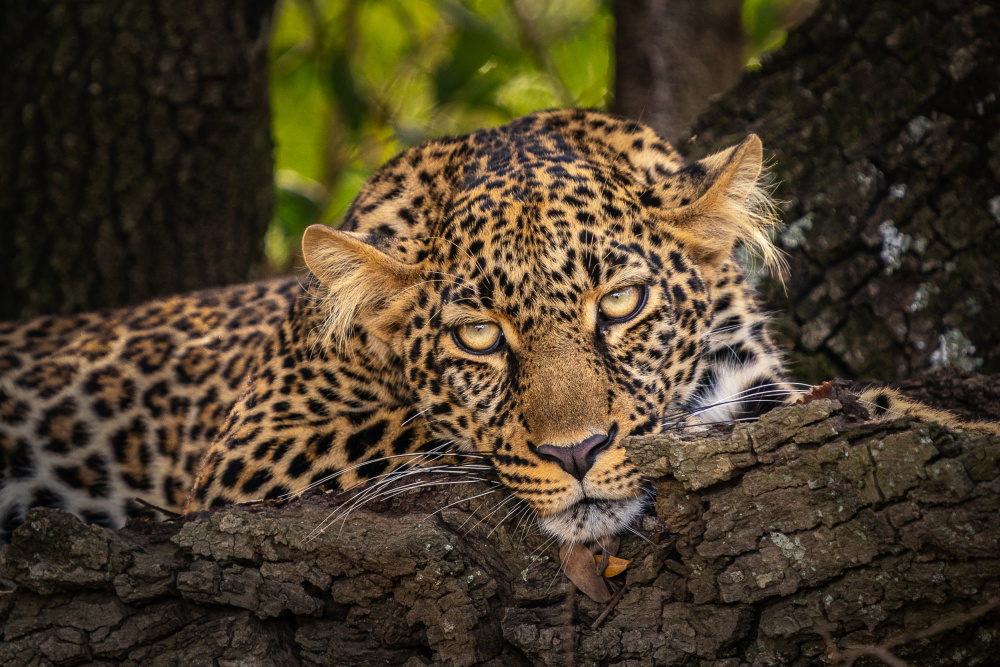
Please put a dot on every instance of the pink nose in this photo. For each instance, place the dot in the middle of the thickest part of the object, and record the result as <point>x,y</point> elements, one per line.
<point>578,459</point>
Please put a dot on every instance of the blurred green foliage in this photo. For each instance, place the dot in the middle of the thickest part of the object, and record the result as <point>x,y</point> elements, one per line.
<point>766,24</point>
<point>354,82</point>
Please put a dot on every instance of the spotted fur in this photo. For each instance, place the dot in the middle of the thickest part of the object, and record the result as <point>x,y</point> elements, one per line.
<point>99,409</point>
<point>360,373</point>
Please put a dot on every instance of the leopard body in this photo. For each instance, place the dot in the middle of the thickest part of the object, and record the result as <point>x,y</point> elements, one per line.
<point>532,232</point>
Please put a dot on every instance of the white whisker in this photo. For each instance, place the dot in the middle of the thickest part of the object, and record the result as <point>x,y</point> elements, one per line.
<point>492,512</point>
<point>367,494</point>
<point>415,416</point>
<point>739,401</point>
<point>562,566</point>
<point>751,395</point>
<point>543,546</point>
<point>642,537</point>
<point>342,514</point>
<point>517,507</point>
<point>724,421</point>
<point>414,457</point>
<point>399,473</point>
<point>492,488</point>
<point>528,512</point>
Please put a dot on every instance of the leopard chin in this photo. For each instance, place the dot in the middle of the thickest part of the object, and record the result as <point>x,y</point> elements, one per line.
<point>590,520</point>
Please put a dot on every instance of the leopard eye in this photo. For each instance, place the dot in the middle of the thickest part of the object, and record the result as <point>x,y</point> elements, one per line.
<point>622,304</point>
<point>478,338</point>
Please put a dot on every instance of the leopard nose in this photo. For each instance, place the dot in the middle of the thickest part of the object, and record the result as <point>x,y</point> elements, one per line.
<point>579,458</point>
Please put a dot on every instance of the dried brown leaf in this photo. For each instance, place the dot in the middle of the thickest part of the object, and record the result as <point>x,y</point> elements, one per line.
<point>615,566</point>
<point>579,565</point>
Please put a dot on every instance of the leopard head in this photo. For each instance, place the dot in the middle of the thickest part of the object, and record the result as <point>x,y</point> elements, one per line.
<point>543,291</point>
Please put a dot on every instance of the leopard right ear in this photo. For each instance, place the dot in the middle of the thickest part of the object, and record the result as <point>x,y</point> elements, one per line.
<point>360,282</point>
<point>728,206</point>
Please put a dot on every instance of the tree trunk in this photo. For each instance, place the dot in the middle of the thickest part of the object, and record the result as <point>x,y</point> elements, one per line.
<point>884,122</point>
<point>135,149</point>
<point>671,57</point>
<point>804,524</point>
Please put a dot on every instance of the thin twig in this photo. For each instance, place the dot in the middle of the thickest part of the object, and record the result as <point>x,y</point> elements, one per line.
<point>165,512</point>
<point>846,657</point>
<point>569,630</point>
<point>611,605</point>
<point>943,625</point>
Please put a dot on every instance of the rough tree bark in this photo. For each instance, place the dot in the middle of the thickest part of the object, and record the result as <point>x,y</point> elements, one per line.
<point>884,122</point>
<point>808,522</point>
<point>671,57</point>
<point>135,149</point>
<point>969,395</point>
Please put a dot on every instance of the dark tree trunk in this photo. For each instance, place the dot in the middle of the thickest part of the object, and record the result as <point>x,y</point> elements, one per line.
<point>884,122</point>
<point>671,57</point>
<point>805,524</point>
<point>135,149</point>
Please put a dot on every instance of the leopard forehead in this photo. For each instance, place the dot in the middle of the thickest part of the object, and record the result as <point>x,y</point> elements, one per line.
<point>526,218</point>
<point>531,250</point>
<point>564,155</point>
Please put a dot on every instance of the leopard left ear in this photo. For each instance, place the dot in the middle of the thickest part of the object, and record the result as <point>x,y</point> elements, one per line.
<point>729,206</point>
<point>360,283</point>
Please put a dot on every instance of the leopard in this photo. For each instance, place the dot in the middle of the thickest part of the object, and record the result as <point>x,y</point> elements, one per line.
<point>522,299</point>
<point>102,412</point>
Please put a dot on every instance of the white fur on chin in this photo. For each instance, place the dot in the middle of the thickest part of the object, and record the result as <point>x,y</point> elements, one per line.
<point>589,522</point>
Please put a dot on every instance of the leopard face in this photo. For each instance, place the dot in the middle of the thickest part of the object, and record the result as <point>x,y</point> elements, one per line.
<point>556,303</point>
<point>547,370</point>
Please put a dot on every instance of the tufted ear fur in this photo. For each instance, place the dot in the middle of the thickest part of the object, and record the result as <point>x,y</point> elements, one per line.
<point>360,283</point>
<point>731,207</point>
